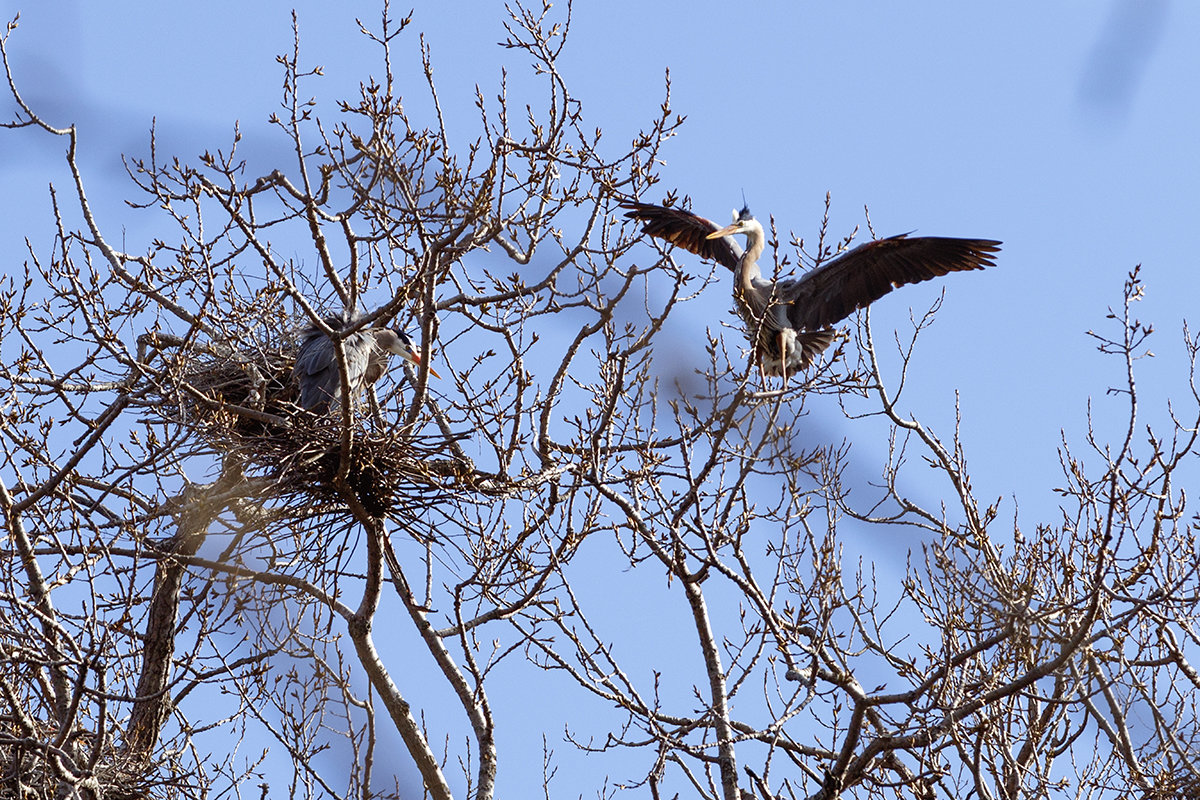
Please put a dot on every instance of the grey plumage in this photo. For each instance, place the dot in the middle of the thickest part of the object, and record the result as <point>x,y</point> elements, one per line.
<point>790,321</point>
<point>367,352</point>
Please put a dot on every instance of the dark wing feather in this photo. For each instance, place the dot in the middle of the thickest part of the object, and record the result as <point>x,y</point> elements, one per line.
<point>835,290</point>
<point>316,371</point>
<point>687,230</point>
<point>316,368</point>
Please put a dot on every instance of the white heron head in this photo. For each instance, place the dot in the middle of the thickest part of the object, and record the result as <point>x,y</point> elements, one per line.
<point>743,223</point>
<point>397,342</point>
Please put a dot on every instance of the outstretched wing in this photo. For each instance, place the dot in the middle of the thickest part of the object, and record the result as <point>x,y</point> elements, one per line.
<point>835,290</point>
<point>687,230</point>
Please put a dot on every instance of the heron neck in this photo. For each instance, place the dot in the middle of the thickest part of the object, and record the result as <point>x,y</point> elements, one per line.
<point>749,262</point>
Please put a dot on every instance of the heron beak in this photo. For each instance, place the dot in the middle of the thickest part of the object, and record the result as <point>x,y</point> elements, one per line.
<point>728,230</point>
<point>413,358</point>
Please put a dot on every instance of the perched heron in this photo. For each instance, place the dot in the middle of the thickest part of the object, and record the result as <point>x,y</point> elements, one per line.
<point>367,352</point>
<point>790,321</point>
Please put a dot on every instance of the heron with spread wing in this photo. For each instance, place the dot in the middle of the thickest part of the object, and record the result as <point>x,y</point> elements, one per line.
<point>366,351</point>
<point>790,321</point>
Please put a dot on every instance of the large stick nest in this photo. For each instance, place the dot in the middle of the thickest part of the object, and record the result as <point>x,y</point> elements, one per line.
<point>387,472</point>
<point>227,390</point>
<point>242,403</point>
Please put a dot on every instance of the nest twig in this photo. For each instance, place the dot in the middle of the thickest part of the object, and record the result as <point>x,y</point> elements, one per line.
<point>225,390</point>
<point>388,472</point>
<point>26,771</point>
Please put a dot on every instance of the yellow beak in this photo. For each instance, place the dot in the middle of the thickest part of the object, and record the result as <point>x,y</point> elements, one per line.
<point>416,359</point>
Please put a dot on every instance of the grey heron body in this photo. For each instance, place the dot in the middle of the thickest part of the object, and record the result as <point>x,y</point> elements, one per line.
<point>789,321</point>
<point>366,351</point>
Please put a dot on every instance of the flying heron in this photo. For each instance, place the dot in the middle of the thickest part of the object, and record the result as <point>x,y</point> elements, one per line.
<point>367,352</point>
<point>790,321</point>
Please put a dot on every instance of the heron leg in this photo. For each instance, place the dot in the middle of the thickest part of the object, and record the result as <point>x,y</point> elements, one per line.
<point>783,358</point>
<point>759,353</point>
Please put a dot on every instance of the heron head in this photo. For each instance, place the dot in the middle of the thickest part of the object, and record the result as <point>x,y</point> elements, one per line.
<point>394,341</point>
<point>397,342</point>
<point>743,222</point>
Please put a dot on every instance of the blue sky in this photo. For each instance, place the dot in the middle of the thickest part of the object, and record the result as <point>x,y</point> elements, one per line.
<point>1068,130</point>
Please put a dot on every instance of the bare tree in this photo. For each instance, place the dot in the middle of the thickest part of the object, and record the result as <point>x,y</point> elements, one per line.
<point>207,588</point>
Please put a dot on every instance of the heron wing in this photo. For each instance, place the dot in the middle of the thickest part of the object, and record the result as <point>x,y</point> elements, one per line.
<point>835,290</point>
<point>687,230</point>
<point>316,371</point>
<point>359,348</point>
<point>316,368</point>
